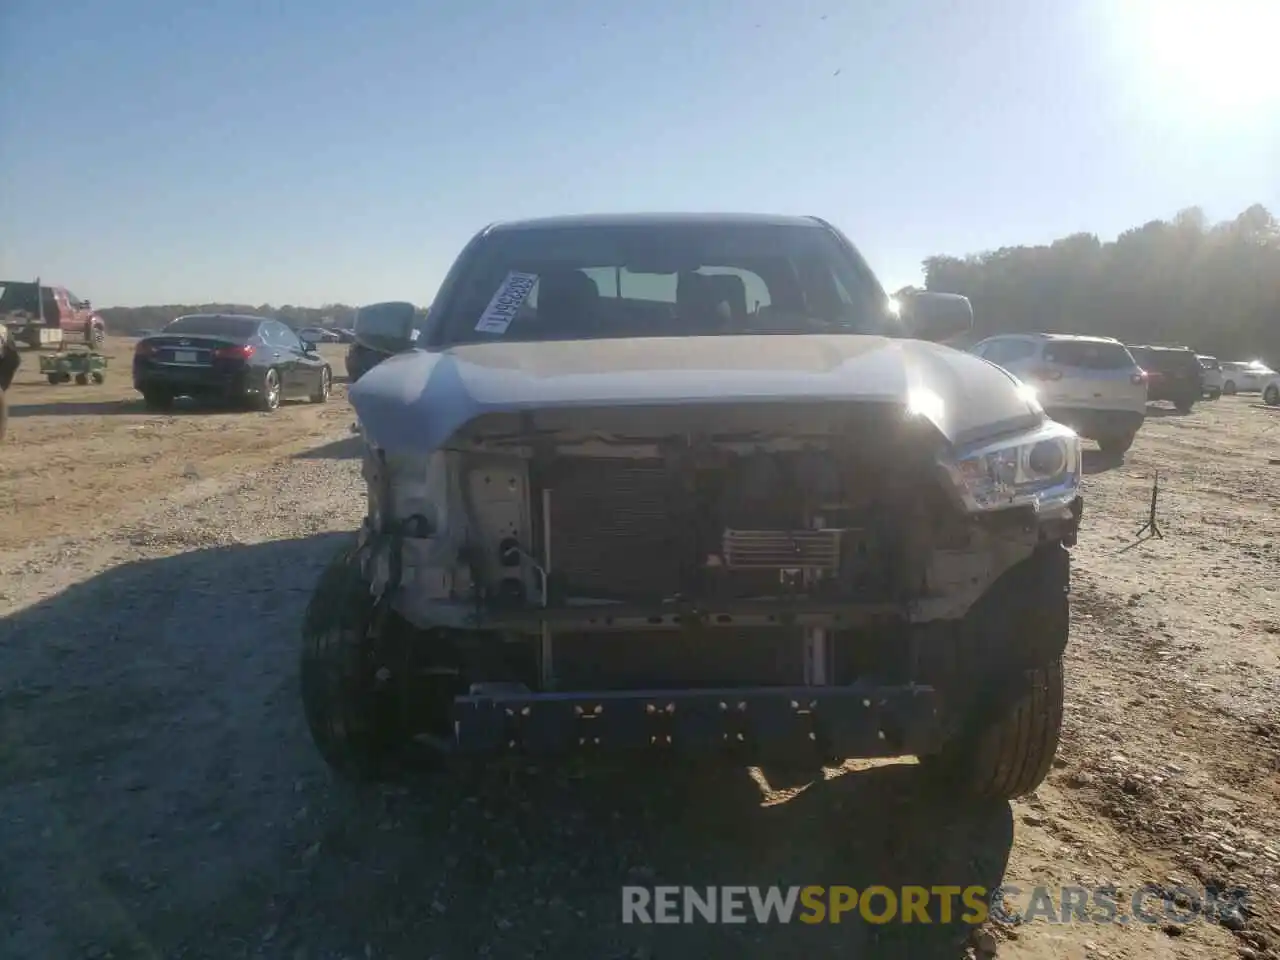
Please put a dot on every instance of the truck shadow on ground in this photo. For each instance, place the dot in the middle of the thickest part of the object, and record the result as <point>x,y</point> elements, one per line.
<point>183,406</point>
<point>348,448</point>
<point>1096,461</point>
<point>162,798</point>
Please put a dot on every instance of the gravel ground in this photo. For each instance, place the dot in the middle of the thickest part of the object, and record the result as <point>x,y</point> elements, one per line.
<point>160,797</point>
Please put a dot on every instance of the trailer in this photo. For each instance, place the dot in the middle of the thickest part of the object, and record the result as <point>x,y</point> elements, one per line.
<point>81,364</point>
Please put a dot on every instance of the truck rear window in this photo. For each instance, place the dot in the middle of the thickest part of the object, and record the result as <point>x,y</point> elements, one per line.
<point>1088,354</point>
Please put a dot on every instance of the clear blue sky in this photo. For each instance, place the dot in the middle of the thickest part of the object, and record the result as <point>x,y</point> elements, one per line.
<point>310,152</point>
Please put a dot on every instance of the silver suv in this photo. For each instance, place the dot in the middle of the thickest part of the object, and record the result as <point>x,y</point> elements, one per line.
<point>1091,384</point>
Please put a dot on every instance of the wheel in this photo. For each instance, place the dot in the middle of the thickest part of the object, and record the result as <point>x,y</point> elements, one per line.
<point>82,379</point>
<point>1117,444</point>
<point>54,378</point>
<point>1000,675</point>
<point>95,336</point>
<point>97,378</point>
<point>157,400</point>
<point>1183,406</point>
<point>1271,396</point>
<point>351,708</point>
<point>268,398</point>
<point>326,385</point>
<point>1229,388</point>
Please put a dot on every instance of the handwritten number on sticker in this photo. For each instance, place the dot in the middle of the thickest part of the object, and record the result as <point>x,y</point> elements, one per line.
<point>506,302</point>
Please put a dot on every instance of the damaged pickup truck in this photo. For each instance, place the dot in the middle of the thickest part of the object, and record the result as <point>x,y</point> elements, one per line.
<point>696,483</point>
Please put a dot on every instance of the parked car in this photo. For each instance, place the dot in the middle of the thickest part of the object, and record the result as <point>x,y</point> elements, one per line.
<point>381,330</point>
<point>42,316</point>
<point>1212,377</point>
<point>1271,392</point>
<point>1173,374</point>
<point>1239,376</point>
<point>346,335</point>
<point>318,335</point>
<point>1091,384</point>
<point>687,483</point>
<point>230,358</point>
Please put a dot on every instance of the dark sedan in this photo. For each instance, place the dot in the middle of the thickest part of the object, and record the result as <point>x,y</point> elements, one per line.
<point>231,359</point>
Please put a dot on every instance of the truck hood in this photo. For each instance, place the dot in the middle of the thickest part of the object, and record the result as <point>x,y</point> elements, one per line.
<point>416,401</point>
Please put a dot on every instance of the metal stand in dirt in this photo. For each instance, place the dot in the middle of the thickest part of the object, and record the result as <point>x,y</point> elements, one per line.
<point>1151,525</point>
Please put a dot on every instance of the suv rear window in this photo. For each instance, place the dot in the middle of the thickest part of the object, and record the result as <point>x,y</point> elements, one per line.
<point>1167,360</point>
<point>1088,354</point>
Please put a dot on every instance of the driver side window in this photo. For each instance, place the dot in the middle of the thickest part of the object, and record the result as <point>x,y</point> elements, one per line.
<point>286,338</point>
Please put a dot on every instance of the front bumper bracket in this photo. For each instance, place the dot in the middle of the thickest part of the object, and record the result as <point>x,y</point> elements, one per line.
<point>860,720</point>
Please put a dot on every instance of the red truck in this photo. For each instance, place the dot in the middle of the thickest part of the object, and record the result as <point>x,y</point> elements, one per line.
<point>44,316</point>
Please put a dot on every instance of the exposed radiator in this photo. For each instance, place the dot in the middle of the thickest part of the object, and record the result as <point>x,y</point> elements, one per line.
<point>781,549</point>
<point>613,533</point>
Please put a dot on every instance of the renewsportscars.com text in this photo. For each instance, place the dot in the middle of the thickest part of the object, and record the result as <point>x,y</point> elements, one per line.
<point>910,904</point>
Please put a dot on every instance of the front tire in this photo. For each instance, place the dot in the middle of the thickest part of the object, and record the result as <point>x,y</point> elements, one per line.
<point>353,716</point>
<point>1010,757</point>
<point>1000,674</point>
<point>1271,396</point>
<point>1229,388</point>
<point>1116,445</point>
<point>96,336</point>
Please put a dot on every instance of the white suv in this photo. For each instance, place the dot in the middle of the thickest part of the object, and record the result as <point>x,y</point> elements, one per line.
<point>1091,384</point>
<point>1241,377</point>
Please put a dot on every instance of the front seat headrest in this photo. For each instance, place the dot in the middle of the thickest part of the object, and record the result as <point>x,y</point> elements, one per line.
<point>566,300</point>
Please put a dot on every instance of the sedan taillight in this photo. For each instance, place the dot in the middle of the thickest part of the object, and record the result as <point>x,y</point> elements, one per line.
<point>241,351</point>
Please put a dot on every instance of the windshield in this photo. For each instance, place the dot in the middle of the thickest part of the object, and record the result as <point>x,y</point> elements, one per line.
<point>1088,354</point>
<point>239,328</point>
<point>592,282</point>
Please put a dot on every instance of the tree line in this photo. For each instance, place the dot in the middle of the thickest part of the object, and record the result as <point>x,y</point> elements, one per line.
<point>1214,287</point>
<point>127,320</point>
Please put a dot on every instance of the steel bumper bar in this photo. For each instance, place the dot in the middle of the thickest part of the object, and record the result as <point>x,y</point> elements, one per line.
<point>857,720</point>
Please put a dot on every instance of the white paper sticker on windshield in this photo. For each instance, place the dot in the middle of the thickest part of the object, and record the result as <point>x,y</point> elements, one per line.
<point>506,303</point>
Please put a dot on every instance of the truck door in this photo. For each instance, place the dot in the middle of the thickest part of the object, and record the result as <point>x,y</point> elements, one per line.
<point>74,316</point>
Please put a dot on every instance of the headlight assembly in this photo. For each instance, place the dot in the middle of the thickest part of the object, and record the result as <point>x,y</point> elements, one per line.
<point>1039,469</point>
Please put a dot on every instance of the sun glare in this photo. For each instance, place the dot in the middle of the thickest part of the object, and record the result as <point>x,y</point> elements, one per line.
<point>1206,57</point>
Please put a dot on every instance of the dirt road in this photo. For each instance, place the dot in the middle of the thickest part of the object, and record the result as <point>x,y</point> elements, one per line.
<point>159,796</point>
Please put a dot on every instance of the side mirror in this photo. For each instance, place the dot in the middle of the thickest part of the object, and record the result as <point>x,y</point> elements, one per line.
<point>386,327</point>
<point>936,316</point>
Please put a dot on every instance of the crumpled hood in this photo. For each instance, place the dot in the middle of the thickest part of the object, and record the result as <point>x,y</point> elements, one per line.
<point>416,401</point>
